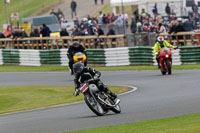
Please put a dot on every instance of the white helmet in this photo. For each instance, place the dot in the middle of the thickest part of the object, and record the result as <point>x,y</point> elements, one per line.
<point>160,39</point>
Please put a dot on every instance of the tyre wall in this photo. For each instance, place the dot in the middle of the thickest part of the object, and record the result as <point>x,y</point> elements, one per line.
<point>140,55</point>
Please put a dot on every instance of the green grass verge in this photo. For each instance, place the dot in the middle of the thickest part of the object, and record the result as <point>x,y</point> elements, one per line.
<point>25,8</point>
<point>20,98</point>
<point>57,68</point>
<point>182,124</point>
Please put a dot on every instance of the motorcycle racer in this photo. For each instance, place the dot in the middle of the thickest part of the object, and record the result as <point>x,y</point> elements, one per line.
<point>75,48</point>
<point>83,73</point>
<point>161,42</point>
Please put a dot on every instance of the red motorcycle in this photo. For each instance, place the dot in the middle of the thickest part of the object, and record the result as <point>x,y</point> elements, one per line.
<point>165,60</point>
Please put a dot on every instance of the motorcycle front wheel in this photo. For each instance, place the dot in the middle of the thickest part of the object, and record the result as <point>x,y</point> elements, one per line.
<point>169,69</point>
<point>94,106</point>
<point>116,109</point>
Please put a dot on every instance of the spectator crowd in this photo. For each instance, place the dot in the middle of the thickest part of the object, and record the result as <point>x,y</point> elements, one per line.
<point>111,24</point>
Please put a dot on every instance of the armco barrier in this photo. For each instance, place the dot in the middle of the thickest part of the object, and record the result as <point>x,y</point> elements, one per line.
<point>102,57</point>
<point>190,55</point>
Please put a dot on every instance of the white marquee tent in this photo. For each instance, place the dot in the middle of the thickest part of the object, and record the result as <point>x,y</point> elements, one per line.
<point>142,3</point>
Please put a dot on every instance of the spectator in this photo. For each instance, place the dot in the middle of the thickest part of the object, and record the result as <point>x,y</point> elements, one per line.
<point>89,18</point>
<point>2,35</point>
<point>194,7</point>
<point>120,25</point>
<point>60,13</point>
<point>53,13</point>
<point>113,18</point>
<point>111,32</point>
<point>168,10</point>
<point>152,24</point>
<point>64,32</point>
<point>108,18</point>
<point>133,25</point>
<point>9,30</point>
<point>35,32</point>
<point>187,26</point>
<point>172,29</point>
<point>45,31</point>
<point>101,17</point>
<point>95,2</point>
<point>155,10</point>
<point>76,31</point>
<point>102,2</point>
<point>158,20</point>
<point>125,19</point>
<point>76,22</point>
<point>104,19</point>
<point>147,27</point>
<point>73,8</point>
<point>161,28</point>
<point>95,20</point>
<point>173,13</point>
<point>139,27</point>
<point>23,34</point>
<point>144,14</point>
<point>99,32</point>
<point>179,28</point>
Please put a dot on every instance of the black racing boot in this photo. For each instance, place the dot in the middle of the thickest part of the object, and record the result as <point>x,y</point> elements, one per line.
<point>158,65</point>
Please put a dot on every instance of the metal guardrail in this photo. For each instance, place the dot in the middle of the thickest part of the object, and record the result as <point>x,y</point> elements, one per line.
<point>63,42</point>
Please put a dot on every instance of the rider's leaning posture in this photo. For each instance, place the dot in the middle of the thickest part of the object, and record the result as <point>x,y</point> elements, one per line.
<point>83,74</point>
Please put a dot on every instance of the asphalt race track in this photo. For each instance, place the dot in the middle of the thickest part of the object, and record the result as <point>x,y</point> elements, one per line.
<point>157,96</point>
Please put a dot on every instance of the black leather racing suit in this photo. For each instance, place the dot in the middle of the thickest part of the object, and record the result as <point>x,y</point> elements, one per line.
<point>87,74</point>
<point>70,53</point>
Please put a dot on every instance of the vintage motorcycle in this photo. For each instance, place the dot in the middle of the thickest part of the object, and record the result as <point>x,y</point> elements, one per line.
<point>99,102</point>
<point>165,60</point>
<point>79,57</point>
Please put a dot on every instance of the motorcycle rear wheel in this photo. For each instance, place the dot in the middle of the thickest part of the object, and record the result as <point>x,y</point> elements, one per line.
<point>95,107</point>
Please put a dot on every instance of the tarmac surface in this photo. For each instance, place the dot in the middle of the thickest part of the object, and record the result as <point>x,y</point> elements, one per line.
<point>157,97</point>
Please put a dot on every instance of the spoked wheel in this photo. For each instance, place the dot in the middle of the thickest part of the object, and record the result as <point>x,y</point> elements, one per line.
<point>169,69</point>
<point>94,106</point>
<point>116,109</point>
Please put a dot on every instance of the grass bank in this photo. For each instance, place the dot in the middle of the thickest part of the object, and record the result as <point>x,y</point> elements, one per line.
<point>182,124</point>
<point>20,98</point>
<point>25,8</point>
<point>57,68</point>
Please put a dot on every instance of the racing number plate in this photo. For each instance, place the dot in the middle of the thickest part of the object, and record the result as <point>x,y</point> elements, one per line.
<point>84,88</point>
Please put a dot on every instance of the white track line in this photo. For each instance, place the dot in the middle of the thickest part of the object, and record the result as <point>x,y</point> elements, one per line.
<point>62,105</point>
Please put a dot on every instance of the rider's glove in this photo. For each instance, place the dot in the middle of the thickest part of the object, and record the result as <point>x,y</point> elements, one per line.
<point>76,92</point>
<point>96,77</point>
<point>176,47</point>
